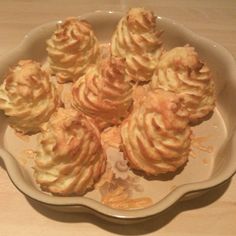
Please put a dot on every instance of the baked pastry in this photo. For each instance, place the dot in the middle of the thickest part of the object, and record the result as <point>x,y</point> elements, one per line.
<point>156,137</point>
<point>71,49</point>
<point>70,159</point>
<point>137,39</point>
<point>181,71</point>
<point>104,92</point>
<point>28,97</point>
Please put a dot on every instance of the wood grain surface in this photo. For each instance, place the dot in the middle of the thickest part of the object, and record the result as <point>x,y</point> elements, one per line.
<point>211,214</point>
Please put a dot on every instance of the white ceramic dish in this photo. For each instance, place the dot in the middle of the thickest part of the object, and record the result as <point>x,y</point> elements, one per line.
<point>213,163</point>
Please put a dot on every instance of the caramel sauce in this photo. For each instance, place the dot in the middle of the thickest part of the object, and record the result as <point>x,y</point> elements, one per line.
<point>193,154</point>
<point>120,199</point>
<point>205,160</point>
<point>198,143</point>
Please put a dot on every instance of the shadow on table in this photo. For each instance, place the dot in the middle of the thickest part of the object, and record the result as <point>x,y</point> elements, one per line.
<point>2,165</point>
<point>135,229</point>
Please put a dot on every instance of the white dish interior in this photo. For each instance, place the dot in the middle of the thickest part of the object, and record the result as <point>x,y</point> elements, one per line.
<point>213,161</point>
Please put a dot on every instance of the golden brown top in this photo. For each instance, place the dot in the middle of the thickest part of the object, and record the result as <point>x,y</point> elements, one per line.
<point>181,71</point>
<point>156,136</point>
<point>137,40</point>
<point>104,91</point>
<point>70,158</point>
<point>71,49</point>
<point>27,96</point>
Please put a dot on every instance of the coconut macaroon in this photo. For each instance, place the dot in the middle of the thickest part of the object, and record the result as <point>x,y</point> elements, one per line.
<point>71,49</point>
<point>70,158</point>
<point>137,39</point>
<point>181,71</point>
<point>28,97</point>
<point>104,92</point>
<point>156,137</point>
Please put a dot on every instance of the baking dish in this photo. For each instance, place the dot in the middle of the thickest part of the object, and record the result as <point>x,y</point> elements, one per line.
<point>211,165</point>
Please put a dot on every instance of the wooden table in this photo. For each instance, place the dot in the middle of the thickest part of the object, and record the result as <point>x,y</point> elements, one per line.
<point>211,214</point>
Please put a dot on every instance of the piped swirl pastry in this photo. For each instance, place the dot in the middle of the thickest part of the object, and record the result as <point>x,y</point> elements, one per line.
<point>104,92</point>
<point>70,159</point>
<point>156,137</point>
<point>71,49</point>
<point>28,97</point>
<point>138,41</point>
<point>181,71</point>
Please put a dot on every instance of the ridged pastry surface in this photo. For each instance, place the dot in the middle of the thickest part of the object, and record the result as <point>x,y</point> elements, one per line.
<point>28,97</point>
<point>137,39</point>
<point>70,159</point>
<point>71,49</point>
<point>181,71</point>
<point>104,92</point>
<point>156,137</point>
